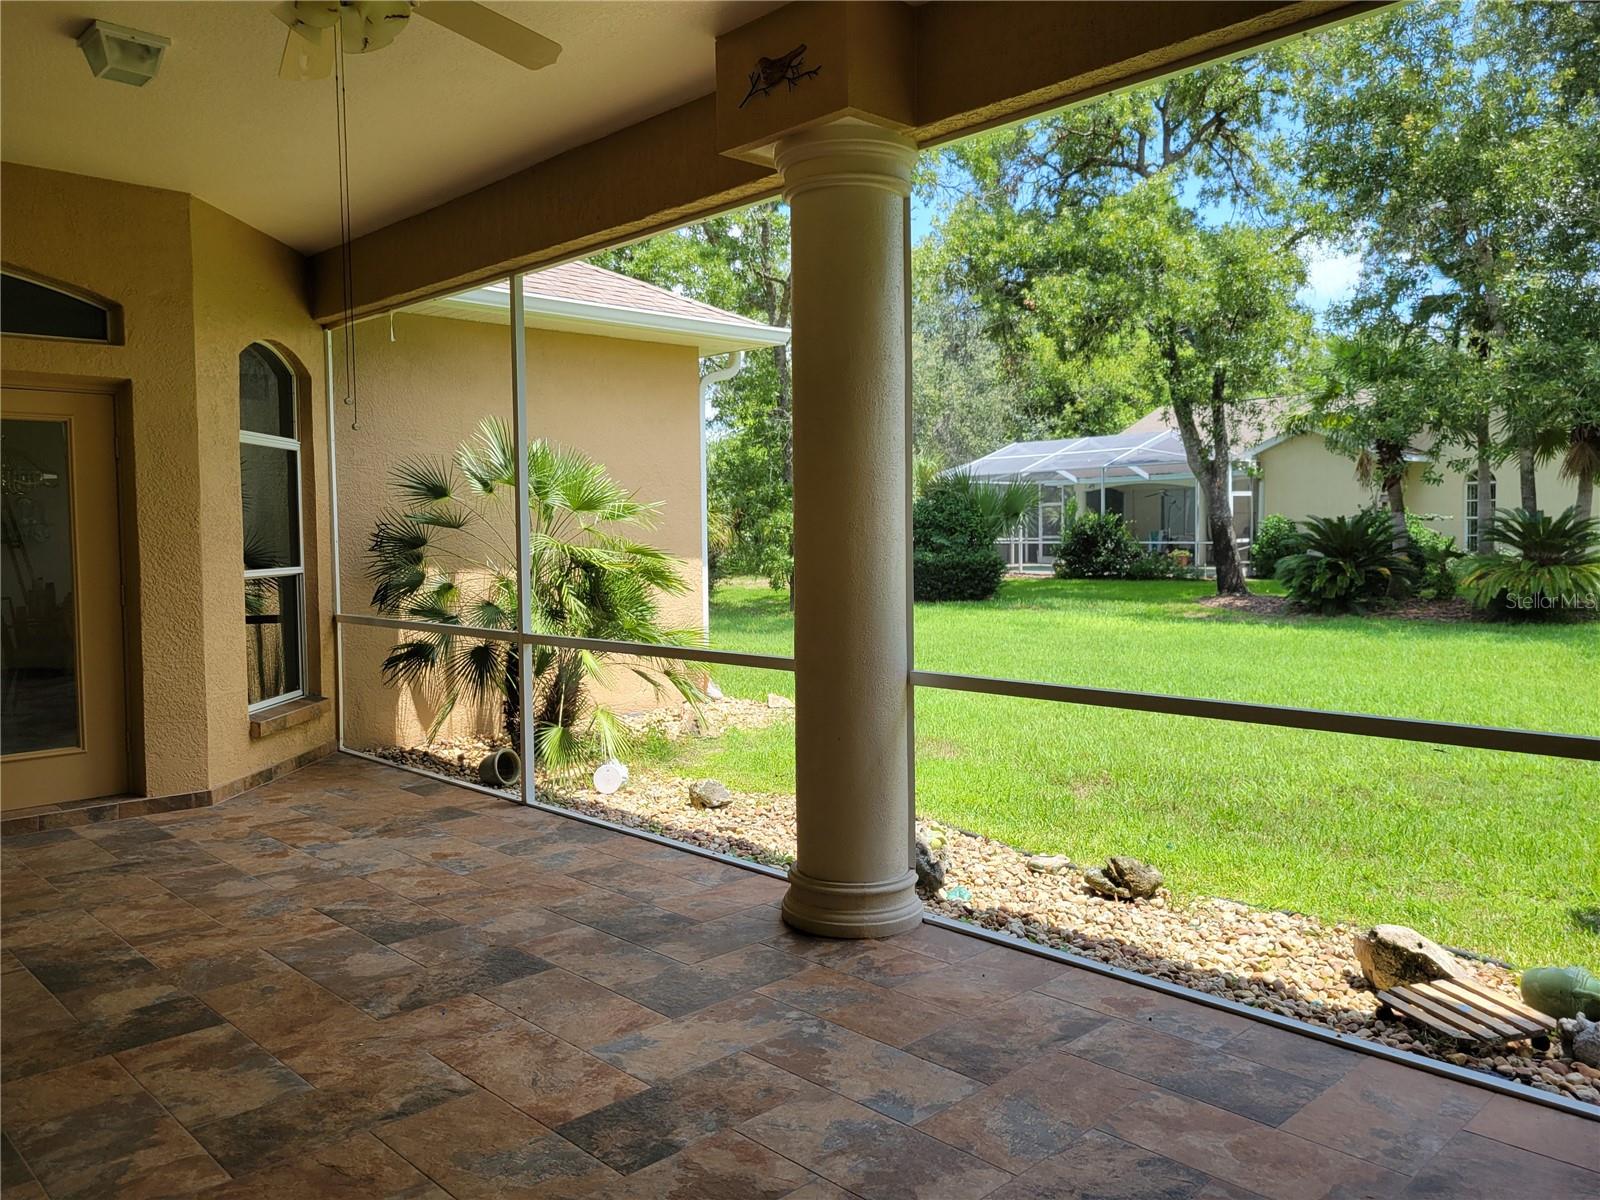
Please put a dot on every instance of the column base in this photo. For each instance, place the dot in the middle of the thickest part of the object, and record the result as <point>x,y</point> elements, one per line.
<point>852,910</point>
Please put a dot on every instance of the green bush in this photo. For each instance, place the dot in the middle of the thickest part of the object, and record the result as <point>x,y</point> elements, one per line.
<point>1276,538</point>
<point>1097,546</point>
<point>1432,555</point>
<point>1159,566</point>
<point>953,555</point>
<point>1552,570</point>
<point>1346,564</point>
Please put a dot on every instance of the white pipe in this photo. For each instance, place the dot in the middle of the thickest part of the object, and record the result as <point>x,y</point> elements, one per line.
<point>707,381</point>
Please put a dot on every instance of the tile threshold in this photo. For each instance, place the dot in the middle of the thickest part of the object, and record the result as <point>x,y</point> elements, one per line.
<point>1432,1066</point>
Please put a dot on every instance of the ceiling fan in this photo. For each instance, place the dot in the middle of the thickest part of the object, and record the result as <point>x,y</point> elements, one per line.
<point>315,27</point>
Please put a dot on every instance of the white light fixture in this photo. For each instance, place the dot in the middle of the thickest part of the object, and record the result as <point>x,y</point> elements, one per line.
<point>123,54</point>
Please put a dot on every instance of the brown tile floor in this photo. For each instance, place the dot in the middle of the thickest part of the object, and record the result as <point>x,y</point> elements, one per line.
<point>357,982</point>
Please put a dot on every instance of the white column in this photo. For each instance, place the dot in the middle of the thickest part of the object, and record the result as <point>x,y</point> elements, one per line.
<point>847,186</point>
<point>1200,540</point>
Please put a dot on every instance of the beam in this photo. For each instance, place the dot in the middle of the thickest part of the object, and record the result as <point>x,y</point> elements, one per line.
<point>972,66</point>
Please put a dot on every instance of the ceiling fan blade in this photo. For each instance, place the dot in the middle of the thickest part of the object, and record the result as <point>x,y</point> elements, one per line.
<point>307,54</point>
<point>492,31</point>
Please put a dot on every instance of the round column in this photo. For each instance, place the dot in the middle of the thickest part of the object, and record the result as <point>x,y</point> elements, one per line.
<point>847,186</point>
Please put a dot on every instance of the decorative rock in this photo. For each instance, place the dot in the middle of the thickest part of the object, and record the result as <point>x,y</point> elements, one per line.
<point>713,692</point>
<point>1124,879</point>
<point>1580,1040</point>
<point>958,892</point>
<point>776,701</point>
<point>1048,864</point>
<point>930,869</point>
<point>709,793</point>
<point>1391,955</point>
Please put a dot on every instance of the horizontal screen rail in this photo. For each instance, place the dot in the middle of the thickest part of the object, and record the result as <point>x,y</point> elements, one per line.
<point>1405,729</point>
<point>724,658</point>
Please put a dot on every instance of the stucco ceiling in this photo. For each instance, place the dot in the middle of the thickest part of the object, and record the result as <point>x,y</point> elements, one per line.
<point>430,116</point>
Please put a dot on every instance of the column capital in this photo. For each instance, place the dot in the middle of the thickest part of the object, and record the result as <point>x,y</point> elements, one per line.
<point>845,153</point>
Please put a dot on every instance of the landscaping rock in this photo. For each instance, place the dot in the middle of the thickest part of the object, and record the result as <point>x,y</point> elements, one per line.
<point>776,701</point>
<point>1124,879</point>
<point>709,793</point>
<point>1392,955</point>
<point>930,869</point>
<point>1048,864</point>
<point>1580,1041</point>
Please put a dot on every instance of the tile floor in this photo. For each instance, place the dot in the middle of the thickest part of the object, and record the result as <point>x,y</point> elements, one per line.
<point>357,982</point>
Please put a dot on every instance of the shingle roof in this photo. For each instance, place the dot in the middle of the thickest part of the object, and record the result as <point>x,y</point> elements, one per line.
<point>585,283</point>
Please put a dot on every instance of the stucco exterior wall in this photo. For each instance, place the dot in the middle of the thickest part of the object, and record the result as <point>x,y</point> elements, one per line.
<point>632,406</point>
<point>1301,477</point>
<point>250,288</point>
<point>194,288</point>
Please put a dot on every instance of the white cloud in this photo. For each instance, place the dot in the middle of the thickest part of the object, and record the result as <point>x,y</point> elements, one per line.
<point>1330,276</point>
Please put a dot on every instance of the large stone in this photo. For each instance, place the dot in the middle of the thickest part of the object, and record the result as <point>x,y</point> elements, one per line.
<point>1580,1040</point>
<point>776,701</point>
<point>930,869</point>
<point>709,793</point>
<point>1124,879</point>
<point>1048,864</point>
<point>1392,955</point>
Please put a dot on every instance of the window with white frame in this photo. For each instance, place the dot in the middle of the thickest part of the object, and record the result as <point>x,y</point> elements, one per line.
<point>274,565</point>
<point>1471,511</point>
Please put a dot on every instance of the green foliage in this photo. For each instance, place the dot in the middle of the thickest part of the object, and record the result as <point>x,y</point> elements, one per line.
<point>445,553</point>
<point>1159,566</point>
<point>1345,564</point>
<point>1097,546</point>
<point>1433,554</point>
<point>954,525</point>
<point>1552,569</point>
<point>1276,537</point>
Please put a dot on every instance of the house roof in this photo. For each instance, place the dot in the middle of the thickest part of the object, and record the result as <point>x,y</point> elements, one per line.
<point>579,297</point>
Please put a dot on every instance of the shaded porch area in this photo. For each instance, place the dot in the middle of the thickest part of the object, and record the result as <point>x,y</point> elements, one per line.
<point>357,981</point>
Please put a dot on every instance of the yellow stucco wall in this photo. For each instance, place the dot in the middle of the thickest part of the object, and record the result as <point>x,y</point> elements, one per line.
<point>630,405</point>
<point>194,287</point>
<point>1302,477</point>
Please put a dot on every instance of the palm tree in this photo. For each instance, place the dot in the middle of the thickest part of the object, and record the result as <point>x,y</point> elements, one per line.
<point>444,554</point>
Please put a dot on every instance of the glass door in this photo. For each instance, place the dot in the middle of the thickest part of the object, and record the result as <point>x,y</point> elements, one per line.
<point>62,707</point>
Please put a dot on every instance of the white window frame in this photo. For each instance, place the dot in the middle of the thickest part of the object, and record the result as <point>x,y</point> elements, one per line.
<point>249,437</point>
<point>1471,521</point>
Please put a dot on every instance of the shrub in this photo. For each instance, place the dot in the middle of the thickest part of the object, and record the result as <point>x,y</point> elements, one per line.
<point>1160,566</point>
<point>1553,568</point>
<point>1097,546</point>
<point>1345,564</point>
<point>1276,538</point>
<point>1432,556</point>
<point>953,554</point>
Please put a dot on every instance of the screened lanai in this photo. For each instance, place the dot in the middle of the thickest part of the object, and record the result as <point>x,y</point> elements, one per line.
<point>1143,476</point>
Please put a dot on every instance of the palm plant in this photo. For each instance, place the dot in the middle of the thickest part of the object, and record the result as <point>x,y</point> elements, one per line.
<point>1345,564</point>
<point>445,554</point>
<point>1000,505</point>
<point>1553,565</point>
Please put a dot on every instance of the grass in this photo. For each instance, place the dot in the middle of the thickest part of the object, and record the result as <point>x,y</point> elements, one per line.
<point>1489,851</point>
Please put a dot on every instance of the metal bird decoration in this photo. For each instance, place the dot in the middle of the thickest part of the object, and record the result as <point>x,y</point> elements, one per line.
<point>770,72</point>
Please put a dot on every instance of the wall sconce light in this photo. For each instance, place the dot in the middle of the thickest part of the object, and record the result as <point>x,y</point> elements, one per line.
<point>123,54</point>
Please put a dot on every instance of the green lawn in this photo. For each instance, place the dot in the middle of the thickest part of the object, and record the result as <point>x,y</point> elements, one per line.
<point>1499,853</point>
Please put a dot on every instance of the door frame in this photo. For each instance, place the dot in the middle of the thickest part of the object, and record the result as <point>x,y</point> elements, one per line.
<point>117,393</point>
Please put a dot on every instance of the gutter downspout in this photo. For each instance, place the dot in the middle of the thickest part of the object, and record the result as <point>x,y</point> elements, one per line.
<point>706,383</point>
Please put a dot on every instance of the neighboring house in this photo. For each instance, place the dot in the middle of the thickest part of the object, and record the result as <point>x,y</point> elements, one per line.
<point>1143,474</point>
<point>613,370</point>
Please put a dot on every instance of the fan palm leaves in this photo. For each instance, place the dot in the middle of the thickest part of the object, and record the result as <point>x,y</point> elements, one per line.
<point>445,553</point>
<point>1546,566</point>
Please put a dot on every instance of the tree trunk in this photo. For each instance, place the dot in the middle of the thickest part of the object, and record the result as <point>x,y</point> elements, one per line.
<point>1585,502</point>
<point>1219,523</point>
<point>1395,493</point>
<point>1213,466</point>
<point>1485,503</point>
<point>1528,475</point>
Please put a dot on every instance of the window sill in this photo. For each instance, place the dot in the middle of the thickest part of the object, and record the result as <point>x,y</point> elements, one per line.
<point>287,715</point>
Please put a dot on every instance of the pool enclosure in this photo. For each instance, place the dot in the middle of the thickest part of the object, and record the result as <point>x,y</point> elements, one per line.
<point>1143,476</point>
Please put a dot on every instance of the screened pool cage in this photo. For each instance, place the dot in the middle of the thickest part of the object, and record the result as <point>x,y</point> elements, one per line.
<point>1144,477</point>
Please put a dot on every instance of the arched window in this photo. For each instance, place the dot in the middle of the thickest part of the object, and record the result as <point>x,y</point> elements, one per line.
<point>274,565</point>
<point>29,308</point>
